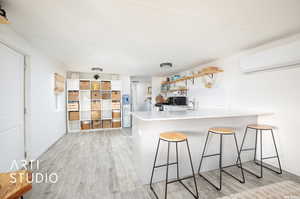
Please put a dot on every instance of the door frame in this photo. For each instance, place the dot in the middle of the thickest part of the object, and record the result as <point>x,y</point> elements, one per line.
<point>26,91</point>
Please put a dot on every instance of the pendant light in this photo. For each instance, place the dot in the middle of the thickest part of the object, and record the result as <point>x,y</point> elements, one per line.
<point>3,17</point>
<point>166,67</point>
<point>97,69</point>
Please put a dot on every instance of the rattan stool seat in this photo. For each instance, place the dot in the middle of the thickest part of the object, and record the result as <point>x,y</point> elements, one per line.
<point>260,127</point>
<point>222,130</point>
<point>173,136</point>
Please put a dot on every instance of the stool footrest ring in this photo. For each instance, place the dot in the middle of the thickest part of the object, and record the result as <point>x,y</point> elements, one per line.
<point>270,157</point>
<point>233,165</point>
<point>164,165</point>
<point>212,155</point>
<point>249,149</point>
<point>177,180</point>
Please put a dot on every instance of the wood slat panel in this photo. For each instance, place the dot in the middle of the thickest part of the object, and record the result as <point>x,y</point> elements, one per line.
<point>59,83</point>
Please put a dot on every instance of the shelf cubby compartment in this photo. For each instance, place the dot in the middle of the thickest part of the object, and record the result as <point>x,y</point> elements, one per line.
<point>85,95</point>
<point>73,95</point>
<point>105,85</point>
<point>95,95</point>
<point>85,115</point>
<point>73,106</point>
<point>95,85</point>
<point>74,115</point>
<point>116,105</point>
<point>116,114</point>
<point>96,105</point>
<point>106,114</point>
<point>116,95</point>
<point>106,124</point>
<point>85,106</point>
<point>96,115</point>
<point>106,95</point>
<point>74,125</point>
<point>73,84</point>
<point>96,124</point>
<point>85,100</point>
<point>86,125</point>
<point>116,123</point>
<point>106,104</point>
<point>85,84</point>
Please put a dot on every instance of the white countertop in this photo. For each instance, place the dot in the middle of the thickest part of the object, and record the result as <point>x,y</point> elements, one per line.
<point>199,114</point>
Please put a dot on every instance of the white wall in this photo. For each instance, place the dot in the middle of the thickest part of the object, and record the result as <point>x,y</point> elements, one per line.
<point>272,91</point>
<point>46,124</point>
<point>125,79</point>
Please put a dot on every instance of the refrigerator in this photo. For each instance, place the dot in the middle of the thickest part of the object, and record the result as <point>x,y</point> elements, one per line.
<point>126,108</point>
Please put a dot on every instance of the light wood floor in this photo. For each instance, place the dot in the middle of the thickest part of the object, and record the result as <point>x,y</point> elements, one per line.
<point>100,165</point>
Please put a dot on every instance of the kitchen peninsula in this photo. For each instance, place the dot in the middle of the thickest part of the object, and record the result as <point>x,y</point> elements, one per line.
<point>148,125</point>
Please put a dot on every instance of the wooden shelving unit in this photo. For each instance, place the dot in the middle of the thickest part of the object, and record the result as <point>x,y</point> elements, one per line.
<point>91,104</point>
<point>204,72</point>
<point>175,90</point>
<point>178,80</point>
<point>169,87</point>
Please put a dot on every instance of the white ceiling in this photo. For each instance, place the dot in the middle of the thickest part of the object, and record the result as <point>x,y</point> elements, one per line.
<point>135,36</point>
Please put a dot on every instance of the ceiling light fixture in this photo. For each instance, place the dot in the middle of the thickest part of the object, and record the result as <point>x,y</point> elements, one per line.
<point>3,17</point>
<point>97,69</point>
<point>166,65</point>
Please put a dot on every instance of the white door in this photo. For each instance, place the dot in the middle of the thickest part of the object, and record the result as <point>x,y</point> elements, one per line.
<point>11,108</point>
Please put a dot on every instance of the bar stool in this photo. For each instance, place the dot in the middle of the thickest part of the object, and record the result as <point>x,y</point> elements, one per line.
<point>222,132</point>
<point>261,129</point>
<point>173,137</point>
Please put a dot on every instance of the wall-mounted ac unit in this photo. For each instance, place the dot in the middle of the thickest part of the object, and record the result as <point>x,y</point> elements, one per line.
<point>287,55</point>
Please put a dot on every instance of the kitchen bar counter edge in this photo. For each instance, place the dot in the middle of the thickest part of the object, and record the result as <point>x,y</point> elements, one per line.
<point>199,114</point>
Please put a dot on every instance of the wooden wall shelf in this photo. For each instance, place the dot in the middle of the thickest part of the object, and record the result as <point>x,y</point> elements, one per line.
<point>206,71</point>
<point>175,90</point>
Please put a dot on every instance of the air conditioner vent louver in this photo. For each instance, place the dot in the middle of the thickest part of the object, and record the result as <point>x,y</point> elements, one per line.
<point>283,56</point>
